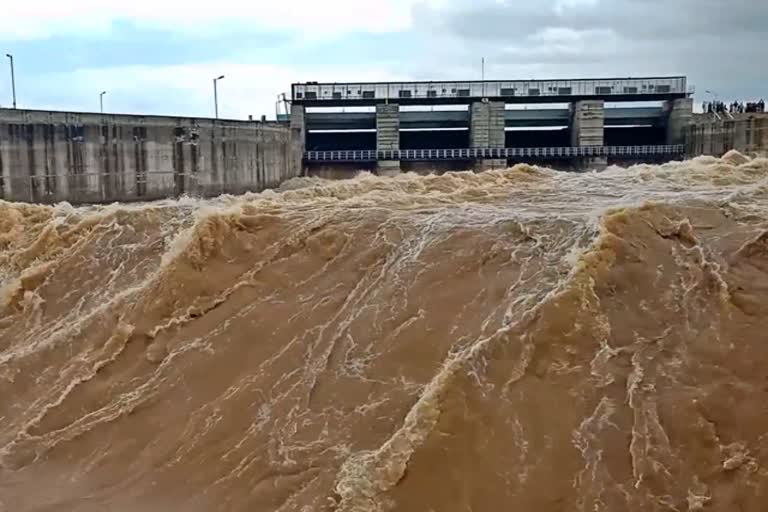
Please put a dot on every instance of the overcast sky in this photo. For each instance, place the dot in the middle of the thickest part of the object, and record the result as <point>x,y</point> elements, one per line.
<point>159,57</point>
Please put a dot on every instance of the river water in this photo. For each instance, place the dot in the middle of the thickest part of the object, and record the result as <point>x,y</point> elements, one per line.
<point>512,340</point>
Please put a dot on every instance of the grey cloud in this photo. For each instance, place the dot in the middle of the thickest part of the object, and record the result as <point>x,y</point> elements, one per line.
<point>719,44</point>
<point>490,19</point>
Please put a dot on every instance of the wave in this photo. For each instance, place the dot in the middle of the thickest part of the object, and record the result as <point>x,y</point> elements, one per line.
<point>517,338</point>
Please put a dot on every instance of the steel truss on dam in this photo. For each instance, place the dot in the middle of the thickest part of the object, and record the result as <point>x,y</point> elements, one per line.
<point>494,153</point>
<point>509,91</point>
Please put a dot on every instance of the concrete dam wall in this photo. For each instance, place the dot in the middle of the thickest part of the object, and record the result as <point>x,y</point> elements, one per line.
<point>47,156</point>
<point>715,135</point>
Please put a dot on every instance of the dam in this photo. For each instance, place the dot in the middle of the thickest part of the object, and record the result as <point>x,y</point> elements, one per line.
<point>487,124</point>
<point>386,128</point>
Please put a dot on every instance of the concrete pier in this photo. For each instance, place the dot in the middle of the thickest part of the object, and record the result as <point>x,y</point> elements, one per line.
<point>388,136</point>
<point>679,118</point>
<point>588,129</point>
<point>298,127</point>
<point>486,130</point>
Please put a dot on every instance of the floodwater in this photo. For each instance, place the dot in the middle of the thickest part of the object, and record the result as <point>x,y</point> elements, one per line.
<point>513,340</point>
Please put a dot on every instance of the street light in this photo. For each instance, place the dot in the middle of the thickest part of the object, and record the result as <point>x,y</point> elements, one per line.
<point>216,95</point>
<point>101,101</point>
<point>13,79</point>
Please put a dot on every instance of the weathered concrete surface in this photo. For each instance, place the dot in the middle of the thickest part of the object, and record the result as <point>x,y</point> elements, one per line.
<point>298,126</point>
<point>588,129</point>
<point>486,124</point>
<point>715,135</point>
<point>388,135</point>
<point>82,158</point>
<point>388,168</point>
<point>680,114</point>
<point>486,130</point>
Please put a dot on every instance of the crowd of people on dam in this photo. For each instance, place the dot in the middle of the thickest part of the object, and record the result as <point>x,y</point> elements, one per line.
<point>719,107</point>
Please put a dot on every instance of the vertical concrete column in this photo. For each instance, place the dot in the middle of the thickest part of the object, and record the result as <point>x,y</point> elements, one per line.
<point>486,130</point>
<point>679,118</point>
<point>388,136</point>
<point>298,140</point>
<point>588,129</point>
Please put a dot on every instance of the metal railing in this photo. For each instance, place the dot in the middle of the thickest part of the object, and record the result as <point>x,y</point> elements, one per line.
<point>491,153</point>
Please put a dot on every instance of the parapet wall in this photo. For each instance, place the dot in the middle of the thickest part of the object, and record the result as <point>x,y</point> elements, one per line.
<point>90,158</point>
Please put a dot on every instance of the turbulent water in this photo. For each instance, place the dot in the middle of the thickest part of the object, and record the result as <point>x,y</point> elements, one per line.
<point>512,340</point>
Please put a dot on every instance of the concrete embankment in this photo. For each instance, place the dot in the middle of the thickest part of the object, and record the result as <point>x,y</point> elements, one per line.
<point>89,158</point>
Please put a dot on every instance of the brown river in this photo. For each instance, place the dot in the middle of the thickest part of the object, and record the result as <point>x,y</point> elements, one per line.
<point>521,340</point>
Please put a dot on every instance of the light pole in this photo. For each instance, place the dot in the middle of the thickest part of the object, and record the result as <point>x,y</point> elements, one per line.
<point>101,101</point>
<point>216,95</point>
<point>13,79</point>
<point>482,74</point>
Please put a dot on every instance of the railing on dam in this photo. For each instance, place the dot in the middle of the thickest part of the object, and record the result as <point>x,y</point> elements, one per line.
<point>491,153</point>
<point>510,91</point>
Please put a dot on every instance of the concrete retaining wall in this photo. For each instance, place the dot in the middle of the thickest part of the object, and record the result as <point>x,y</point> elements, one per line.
<point>716,135</point>
<point>89,158</point>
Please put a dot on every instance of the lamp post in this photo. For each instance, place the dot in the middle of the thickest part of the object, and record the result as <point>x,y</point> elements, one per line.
<point>216,95</point>
<point>101,101</point>
<point>13,79</point>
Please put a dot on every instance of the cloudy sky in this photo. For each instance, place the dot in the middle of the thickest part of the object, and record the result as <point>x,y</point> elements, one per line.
<point>160,56</point>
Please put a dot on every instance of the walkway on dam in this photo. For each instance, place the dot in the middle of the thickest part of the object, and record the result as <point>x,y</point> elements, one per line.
<point>629,152</point>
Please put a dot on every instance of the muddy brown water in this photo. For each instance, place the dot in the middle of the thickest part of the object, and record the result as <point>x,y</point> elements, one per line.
<point>512,340</point>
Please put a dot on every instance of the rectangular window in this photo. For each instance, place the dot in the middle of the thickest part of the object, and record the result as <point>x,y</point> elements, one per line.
<point>630,90</point>
<point>299,95</point>
<point>369,95</point>
<point>431,94</point>
<point>337,95</point>
<point>462,92</point>
<point>533,92</point>
<point>507,92</point>
<point>564,91</point>
<point>601,89</point>
<point>311,95</point>
<point>404,93</point>
<point>663,88</point>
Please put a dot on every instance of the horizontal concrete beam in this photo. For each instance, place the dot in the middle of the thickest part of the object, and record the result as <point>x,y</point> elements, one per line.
<point>508,91</point>
<point>429,120</point>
